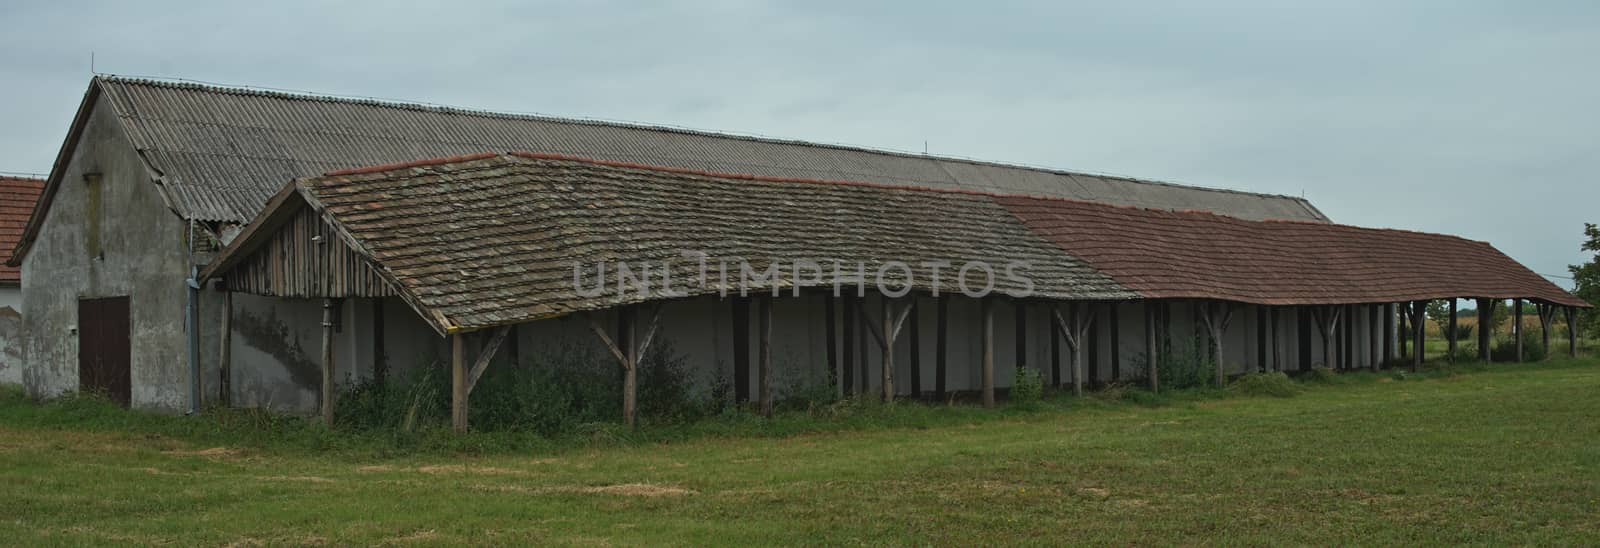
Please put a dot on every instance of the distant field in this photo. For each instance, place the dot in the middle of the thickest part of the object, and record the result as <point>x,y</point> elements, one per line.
<point>1504,455</point>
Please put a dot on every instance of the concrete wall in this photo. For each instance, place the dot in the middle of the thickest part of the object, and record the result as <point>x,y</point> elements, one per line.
<point>10,334</point>
<point>144,258</point>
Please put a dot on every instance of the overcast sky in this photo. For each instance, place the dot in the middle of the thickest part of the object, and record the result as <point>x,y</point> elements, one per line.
<point>1471,118</point>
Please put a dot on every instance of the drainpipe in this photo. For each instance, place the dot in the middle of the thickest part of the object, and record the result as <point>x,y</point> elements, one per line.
<point>191,316</point>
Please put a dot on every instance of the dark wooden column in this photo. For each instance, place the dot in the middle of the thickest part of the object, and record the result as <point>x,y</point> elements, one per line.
<point>225,351</point>
<point>830,329</point>
<point>987,304</point>
<point>1516,322</point>
<point>940,353</point>
<point>1215,316</point>
<point>1055,359</point>
<point>1389,334</point>
<point>1091,342</point>
<point>1451,336</point>
<point>914,327</point>
<point>847,376</point>
<point>1485,316</point>
<point>1419,314</point>
<point>1150,345</point>
<point>1405,329</point>
<point>1115,324</point>
<point>764,352</point>
<point>741,348</point>
<point>1020,307</point>
<point>1546,316</point>
<point>1348,359</point>
<point>1303,335</point>
<point>1374,324</point>
<point>458,382</point>
<point>1275,331</point>
<point>1261,338</point>
<point>380,358</point>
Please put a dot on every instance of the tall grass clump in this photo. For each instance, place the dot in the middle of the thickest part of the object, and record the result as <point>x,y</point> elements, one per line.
<point>1274,383</point>
<point>1505,348</point>
<point>1185,364</point>
<point>1027,389</point>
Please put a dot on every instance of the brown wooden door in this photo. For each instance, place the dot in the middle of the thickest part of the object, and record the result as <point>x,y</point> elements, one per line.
<point>103,353</point>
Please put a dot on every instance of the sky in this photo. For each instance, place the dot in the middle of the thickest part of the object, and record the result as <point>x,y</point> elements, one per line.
<point>1477,119</point>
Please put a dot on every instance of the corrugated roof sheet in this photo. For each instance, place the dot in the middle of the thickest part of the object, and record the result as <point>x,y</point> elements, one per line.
<point>225,151</point>
<point>1193,254</point>
<point>17,197</point>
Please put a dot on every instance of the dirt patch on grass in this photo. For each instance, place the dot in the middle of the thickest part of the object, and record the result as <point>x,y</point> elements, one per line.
<point>622,489</point>
<point>460,469</point>
<point>307,479</point>
<point>214,452</point>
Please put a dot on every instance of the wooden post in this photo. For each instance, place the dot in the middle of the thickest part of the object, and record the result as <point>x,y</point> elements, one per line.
<point>1405,329</point>
<point>1055,358</point>
<point>831,339</point>
<point>1302,338</point>
<point>1516,331</point>
<point>1261,338</point>
<point>887,344</point>
<point>847,376</point>
<point>380,360</point>
<point>1091,343</point>
<point>864,379</point>
<point>327,362</point>
<point>1076,327</point>
<point>1374,329</point>
<point>765,353</point>
<point>1276,333</point>
<point>1485,339</point>
<point>513,348</point>
<point>1327,319</point>
<point>1572,331</point>
<point>988,351</point>
<point>1389,334</point>
<point>458,382</point>
<point>1419,314</point>
<point>1349,335</point>
<point>741,349</point>
<point>914,327</point>
<point>1216,317</point>
<point>1116,342</point>
<point>225,353</point>
<point>1021,327</point>
<point>1546,316</point>
<point>939,353</point>
<point>1451,336</point>
<point>630,366</point>
<point>1150,346</point>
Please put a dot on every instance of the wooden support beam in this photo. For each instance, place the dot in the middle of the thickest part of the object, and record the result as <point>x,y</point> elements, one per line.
<point>1302,338</point>
<point>914,333</point>
<point>327,362</point>
<point>1020,307</point>
<point>1419,315</point>
<point>1516,331</point>
<point>1376,333</point>
<point>988,350</point>
<point>741,349</point>
<point>940,372</point>
<point>886,343</point>
<point>225,352</point>
<point>380,358</point>
<point>1055,357</point>
<point>1546,316</point>
<point>514,348</point>
<point>864,373</point>
<point>1349,335</point>
<point>485,355</point>
<point>1116,342</point>
<point>1485,315</point>
<point>1150,345</point>
<point>1276,332</point>
<point>1451,336</point>
<point>1091,345</point>
<point>1388,334</point>
<point>1405,329</point>
<point>630,366</point>
<point>847,375</point>
<point>458,382</point>
<point>830,329</point>
<point>1074,327</point>
<point>1327,319</point>
<point>764,351</point>
<point>1216,316</point>
<point>1261,338</point>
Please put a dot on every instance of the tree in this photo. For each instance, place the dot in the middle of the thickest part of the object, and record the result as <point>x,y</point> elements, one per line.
<point>1586,279</point>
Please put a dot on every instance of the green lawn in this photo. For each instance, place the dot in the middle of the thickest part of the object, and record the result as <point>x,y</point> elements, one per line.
<point>1506,455</point>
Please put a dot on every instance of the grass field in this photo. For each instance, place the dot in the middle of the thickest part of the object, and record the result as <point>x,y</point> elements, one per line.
<point>1507,454</point>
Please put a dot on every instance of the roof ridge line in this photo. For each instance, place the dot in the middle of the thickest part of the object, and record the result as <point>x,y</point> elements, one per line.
<point>437,107</point>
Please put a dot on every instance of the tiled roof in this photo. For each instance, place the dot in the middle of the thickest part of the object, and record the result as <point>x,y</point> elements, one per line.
<point>17,196</point>
<point>1191,254</point>
<point>494,240</point>
<point>223,152</point>
<point>487,240</point>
